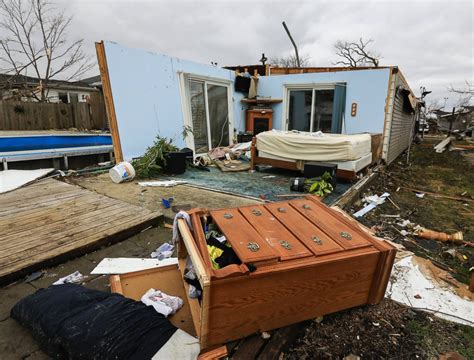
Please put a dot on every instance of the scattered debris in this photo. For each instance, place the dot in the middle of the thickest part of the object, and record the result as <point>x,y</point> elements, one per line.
<point>14,179</point>
<point>165,251</point>
<point>265,335</point>
<point>74,278</point>
<point>34,276</point>
<point>122,172</point>
<point>167,202</point>
<point>443,145</point>
<point>420,195</point>
<point>372,202</point>
<point>423,233</point>
<point>162,183</point>
<point>126,265</point>
<point>408,281</point>
<point>163,303</point>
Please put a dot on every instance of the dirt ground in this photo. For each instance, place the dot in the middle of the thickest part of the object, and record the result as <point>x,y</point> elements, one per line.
<point>449,173</point>
<point>185,197</point>
<point>384,331</point>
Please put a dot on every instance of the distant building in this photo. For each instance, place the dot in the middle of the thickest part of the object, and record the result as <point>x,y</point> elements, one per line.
<point>26,88</point>
<point>462,119</point>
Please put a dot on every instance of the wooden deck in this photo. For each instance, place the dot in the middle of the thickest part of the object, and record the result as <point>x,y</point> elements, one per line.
<point>50,221</point>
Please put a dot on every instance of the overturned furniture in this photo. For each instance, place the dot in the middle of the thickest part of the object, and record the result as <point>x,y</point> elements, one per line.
<point>299,260</point>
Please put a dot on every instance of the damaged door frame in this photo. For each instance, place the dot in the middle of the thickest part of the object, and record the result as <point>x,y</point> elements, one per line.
<point>184,79</point>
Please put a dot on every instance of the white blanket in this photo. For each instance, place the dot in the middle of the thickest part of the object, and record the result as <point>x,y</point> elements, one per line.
<point>315,146</point>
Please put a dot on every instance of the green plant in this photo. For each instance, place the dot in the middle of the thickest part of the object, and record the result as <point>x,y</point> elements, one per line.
<point>154,159</point>
<point>319,186</point>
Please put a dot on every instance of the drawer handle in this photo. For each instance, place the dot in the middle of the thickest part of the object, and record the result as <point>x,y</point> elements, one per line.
<point>285,244</point>
<point>306,207</point>
<point>252,246</point>
<point>281,209</point>
<point>256,212</point>
<point>317,240</point>
<point>346,235</point>
<point>228,216</point>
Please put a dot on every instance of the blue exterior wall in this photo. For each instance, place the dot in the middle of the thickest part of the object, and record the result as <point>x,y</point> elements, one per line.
<point>367,88</point>
<point>147,99</point>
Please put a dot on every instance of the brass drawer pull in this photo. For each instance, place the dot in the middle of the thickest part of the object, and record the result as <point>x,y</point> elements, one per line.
<point>256,212</point>
<point>317,240</point>
<point>281,209</point>
<point>285,244</point>
<point>228,216</point>
<point>306,207</point>
<point>346,235</point>
<point>252,246</point>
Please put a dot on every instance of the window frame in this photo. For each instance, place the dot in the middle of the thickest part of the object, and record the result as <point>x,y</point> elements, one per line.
<point>285,121</point>
<point>184,79</point>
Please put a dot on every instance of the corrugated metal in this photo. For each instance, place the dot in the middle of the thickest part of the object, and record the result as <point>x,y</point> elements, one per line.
<point>401,124</point>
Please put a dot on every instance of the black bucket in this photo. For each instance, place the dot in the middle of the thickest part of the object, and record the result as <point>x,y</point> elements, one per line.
<point>297,184</point>
<point>175,162</point>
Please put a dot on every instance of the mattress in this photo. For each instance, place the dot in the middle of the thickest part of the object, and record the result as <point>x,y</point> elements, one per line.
<point>351,165</point>
<point>314,146</point>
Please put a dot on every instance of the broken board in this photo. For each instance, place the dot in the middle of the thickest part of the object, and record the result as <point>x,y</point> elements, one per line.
<point>50,221</point>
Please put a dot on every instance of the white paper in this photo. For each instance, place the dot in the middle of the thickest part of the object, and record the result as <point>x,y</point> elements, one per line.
<point>126,265</point>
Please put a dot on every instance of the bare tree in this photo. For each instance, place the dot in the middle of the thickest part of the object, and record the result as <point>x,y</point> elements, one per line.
<point>290,61</point>
<point>36,44</point>
<point>356,53</point>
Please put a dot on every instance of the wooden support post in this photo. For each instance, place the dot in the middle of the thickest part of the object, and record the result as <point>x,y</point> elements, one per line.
<point>109,101</point>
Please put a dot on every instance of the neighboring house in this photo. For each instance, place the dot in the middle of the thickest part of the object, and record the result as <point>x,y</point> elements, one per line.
<point>164,94</point>
<point>23,88</point>
<point>461,119</point>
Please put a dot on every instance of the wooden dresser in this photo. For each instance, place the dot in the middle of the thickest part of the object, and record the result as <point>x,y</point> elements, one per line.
<point>300,260</point>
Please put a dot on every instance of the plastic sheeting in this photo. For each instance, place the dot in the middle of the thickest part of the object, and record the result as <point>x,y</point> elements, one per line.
<point>14,179</point>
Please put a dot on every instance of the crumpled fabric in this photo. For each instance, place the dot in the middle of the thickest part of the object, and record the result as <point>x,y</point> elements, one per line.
<point>181,215</point>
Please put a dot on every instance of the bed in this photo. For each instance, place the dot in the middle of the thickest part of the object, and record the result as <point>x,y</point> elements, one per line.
<point>292,149</point>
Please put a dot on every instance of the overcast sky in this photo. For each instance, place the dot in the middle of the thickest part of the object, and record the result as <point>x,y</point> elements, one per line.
<point>431,41</point>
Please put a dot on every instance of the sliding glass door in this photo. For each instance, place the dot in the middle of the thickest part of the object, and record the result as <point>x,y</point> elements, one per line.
<point>316,109</point>
<point>209,115</point>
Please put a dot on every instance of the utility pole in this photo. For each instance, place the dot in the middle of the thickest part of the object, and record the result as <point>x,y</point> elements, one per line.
<point>294,44</point>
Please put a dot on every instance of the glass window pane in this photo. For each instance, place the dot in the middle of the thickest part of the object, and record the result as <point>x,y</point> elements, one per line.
<point>198,113</point>
<point>218,115</point>
<point>323,106</point>
<point>300,110</point>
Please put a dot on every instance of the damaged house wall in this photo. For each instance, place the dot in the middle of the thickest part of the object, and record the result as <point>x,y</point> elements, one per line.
<point>366,88</point>
<point>147,96</point>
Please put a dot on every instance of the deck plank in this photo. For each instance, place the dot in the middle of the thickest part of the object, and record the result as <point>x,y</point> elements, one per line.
<point>51,221</point>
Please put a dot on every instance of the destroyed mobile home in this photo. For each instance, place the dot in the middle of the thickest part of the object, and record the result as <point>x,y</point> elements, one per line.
<point>227,272</point>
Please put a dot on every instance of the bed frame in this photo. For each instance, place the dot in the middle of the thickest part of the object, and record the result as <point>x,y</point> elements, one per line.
<point>289,165</point>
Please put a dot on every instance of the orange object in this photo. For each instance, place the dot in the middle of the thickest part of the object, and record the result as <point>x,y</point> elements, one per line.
<point>439,236</point>
<point>259,120</point>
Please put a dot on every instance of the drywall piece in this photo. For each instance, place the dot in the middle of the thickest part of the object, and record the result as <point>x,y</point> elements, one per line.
<point>126,265</point>
<point>408,285</point>
<point>14,179</point>
<point>147,96</point>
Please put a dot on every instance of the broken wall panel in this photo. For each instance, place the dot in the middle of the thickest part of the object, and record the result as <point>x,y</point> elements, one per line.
<point>147,97</point>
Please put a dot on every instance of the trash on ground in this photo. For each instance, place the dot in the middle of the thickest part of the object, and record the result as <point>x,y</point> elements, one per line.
<point>424,233</point>
<point>75,277</point>
<point>163,303</point>
<point>443,145</point>
<point>34,276</point>
<point>164,251</point>
<point>162,183</point>
<point>408,281</point>
<point>167,202</point>
<point>122,172</point>
<point>371,203</point>
<point>420,195</point>
<point>266,335</point>
<point>126,265</point>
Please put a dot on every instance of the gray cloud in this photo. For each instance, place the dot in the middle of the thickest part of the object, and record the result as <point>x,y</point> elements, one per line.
<point>432,42</point>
